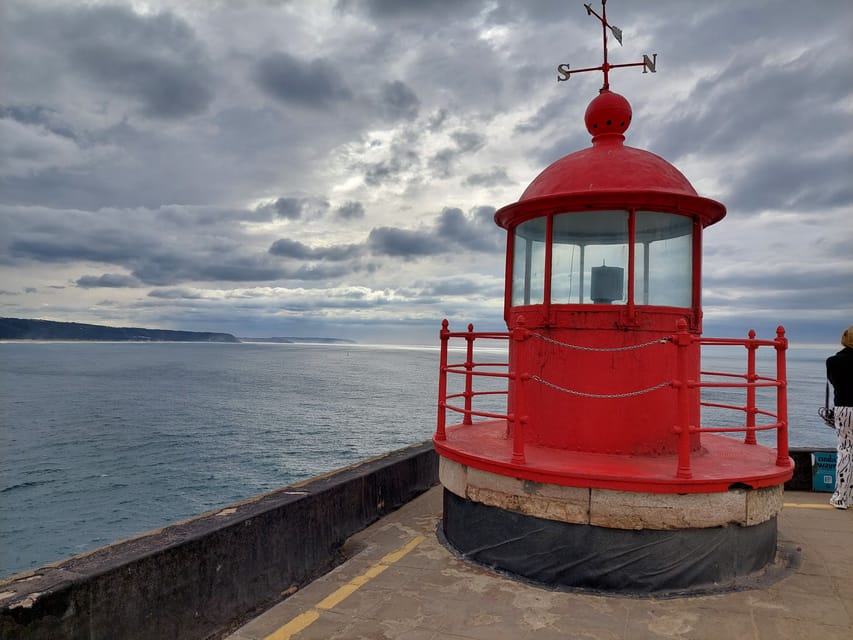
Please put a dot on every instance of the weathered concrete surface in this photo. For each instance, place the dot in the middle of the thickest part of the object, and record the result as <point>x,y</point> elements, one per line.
<point>624,510</point>
<point>763,504</point>
<point>195,578</point>
<point>453,476</point>
<point>432,594</point>
<point>608,508</point>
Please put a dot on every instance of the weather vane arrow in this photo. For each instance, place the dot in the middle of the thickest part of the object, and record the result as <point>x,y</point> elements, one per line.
<point>564,72</point>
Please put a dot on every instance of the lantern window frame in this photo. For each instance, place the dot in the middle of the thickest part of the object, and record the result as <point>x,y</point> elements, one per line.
<point>630,304</point>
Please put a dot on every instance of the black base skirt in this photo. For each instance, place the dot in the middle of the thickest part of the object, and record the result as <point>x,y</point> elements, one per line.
<point>587,557</point>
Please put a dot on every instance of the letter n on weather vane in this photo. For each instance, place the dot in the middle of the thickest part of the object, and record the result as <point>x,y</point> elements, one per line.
<point>649,64</point>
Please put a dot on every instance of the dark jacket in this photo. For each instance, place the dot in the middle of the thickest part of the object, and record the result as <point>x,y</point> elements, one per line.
<point>839,372</point>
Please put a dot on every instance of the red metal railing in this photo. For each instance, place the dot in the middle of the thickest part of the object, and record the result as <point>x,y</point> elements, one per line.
<point>470,369</point>
<point>682,340</point>
<point>752,381</point>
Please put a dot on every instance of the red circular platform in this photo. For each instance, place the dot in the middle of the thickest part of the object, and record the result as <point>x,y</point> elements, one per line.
<point>719,463</point>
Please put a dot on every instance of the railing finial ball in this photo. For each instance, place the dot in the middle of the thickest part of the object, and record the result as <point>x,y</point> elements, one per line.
<point>751,334</point>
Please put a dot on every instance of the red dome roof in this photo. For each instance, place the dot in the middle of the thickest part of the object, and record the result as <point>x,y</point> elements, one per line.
<point>609,164</point>
<point>610,174</point>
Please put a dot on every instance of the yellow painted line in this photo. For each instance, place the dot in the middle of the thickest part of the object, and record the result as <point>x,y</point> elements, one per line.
<point>296,625</point>
<point>807,505</point>
<point>394,556</point>
<point>303,620</point>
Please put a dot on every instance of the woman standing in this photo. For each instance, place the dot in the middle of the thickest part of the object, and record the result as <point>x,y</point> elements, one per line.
<point>839,371</point>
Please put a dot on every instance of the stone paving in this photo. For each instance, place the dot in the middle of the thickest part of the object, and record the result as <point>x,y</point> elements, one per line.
<point>400,583</point>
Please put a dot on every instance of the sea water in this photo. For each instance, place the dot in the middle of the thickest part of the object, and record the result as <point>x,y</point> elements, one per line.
<point>101,441</point>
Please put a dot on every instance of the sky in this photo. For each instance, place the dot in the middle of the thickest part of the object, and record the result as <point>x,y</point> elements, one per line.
<point>332,168</point>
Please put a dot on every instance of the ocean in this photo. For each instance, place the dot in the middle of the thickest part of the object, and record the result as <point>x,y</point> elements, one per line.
<point>102,441</point>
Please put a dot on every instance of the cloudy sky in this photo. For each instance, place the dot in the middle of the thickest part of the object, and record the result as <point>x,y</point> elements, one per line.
<point>331,168</point>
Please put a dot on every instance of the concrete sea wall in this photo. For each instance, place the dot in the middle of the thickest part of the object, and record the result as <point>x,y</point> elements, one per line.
<point>196,578</point>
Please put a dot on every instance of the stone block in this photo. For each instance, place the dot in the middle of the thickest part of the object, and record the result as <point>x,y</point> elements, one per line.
<point>629,510</point>
<point>552,502</point>
<point>495,482</point>
<point>531,505</point>
<point>764,504</point>
<point>578,495</point>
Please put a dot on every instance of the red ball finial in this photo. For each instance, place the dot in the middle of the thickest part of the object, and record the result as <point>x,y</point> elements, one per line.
<point>608,113</point>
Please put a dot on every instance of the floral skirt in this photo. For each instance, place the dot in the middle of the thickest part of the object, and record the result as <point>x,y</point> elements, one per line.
<point>843,496</point>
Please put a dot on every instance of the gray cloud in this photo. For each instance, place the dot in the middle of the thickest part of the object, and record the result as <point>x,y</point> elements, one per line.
<point>453,230</point>
<point>171,269</point>
<point>404,243</point>
<point>107,280</point>
<point>175,294</point>
<point>401,160</point>
<point>166,88</point>
<point>318,272</point>
<point>435,10</point>
<point>463,286</point>
<point>442,162</point>
<point>289,208</point>
<point>292,249</point>
<point>556,149</point>
<point>295,208</point>
<point>398,101</point>
<point>155,60</point>
<point>131,240</point>
<point>496,176</point>
<point>109,246</point>
<point>39,115</point>
<point>437,120</point>
<point>350,211</point>
<point>553,112</point>
<point>306,83</point>
<point>477,232</point>
<point>466,142</point>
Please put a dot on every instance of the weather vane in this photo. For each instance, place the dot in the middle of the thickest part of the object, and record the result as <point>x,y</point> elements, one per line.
<point>648,64</point>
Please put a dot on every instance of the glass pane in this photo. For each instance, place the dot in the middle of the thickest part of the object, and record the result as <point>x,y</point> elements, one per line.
<point>664,257</point>
<point>589,258</point>
<point>528,266</point>
<point>565,273</point>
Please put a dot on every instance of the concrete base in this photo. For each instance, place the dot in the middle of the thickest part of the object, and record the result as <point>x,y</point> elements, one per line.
<point>612,509</point>
<point>605,540</point>
<point>635,562</point>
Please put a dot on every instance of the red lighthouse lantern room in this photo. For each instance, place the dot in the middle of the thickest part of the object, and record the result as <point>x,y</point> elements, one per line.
<point>601,454</point>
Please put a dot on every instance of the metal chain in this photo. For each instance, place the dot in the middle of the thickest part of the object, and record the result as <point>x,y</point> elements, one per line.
<point>579,348</point>
<point>597,395</point>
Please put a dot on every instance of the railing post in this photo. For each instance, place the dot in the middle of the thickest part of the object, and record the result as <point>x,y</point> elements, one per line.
<point>682,341</point>
<point>469,378</point>
<point>444,336</point>
<point>519,417</point>
<point>781,398</point>
<point>751,377</point>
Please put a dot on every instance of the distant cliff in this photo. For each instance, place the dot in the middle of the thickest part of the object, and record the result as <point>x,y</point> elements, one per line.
<point>299,340</point>
<point>23,329</point>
